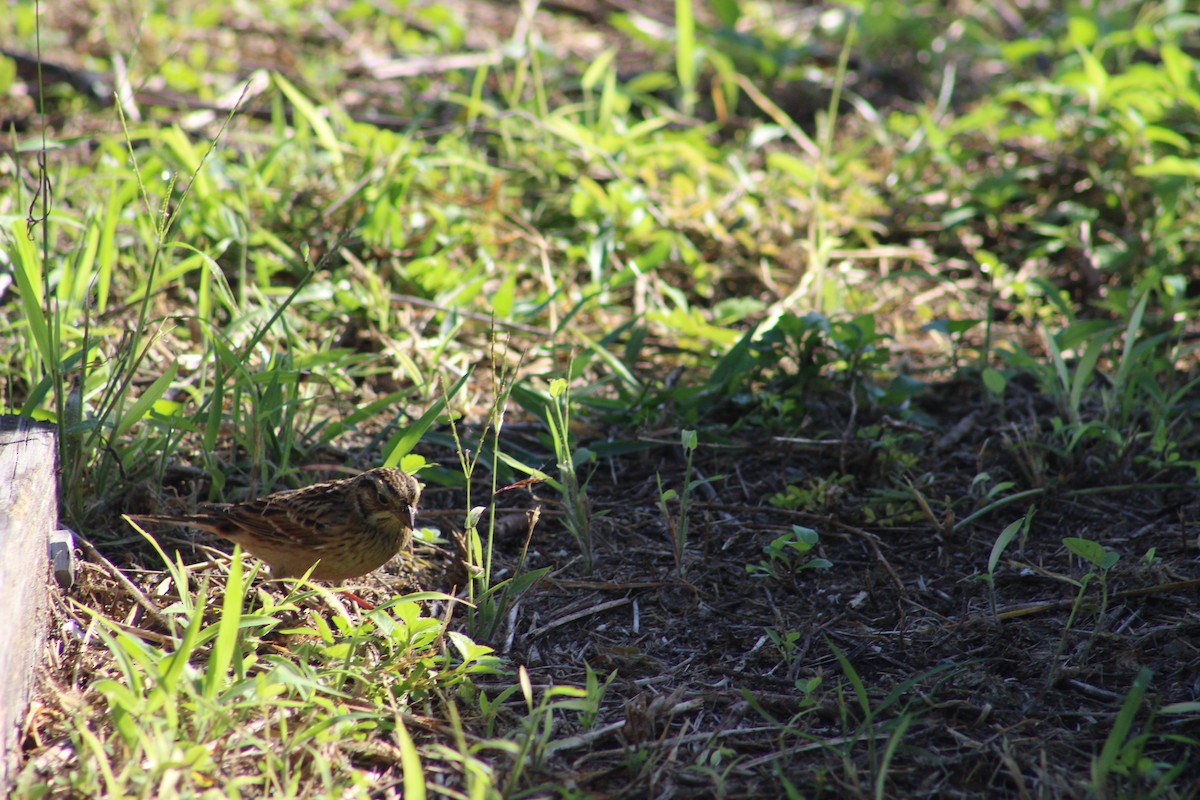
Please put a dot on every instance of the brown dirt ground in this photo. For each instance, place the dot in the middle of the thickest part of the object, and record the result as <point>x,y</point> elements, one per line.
<point>996,708</point>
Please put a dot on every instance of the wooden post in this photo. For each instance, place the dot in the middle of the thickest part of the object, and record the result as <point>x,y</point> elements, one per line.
<point>28,513</point>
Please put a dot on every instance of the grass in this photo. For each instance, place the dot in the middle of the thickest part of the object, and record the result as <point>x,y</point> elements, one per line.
<point>722,337</point>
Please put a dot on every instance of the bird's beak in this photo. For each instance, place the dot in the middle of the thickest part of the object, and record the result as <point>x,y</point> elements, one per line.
<point>412,518</point>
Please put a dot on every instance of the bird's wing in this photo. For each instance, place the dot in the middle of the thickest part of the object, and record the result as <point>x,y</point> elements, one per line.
<point>292,519</point>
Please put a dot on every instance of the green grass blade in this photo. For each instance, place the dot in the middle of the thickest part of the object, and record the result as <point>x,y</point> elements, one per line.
<point>893,743</point>
<point>685,53</point>
<point>1115,743</point>
<point>403,442</point>
<point>1131,338</point>
<point>106,255</point>
<point>145,403</point>
<point>860,691</point>
<point>346,423</point>
<point>1085,370</point>
<point>410,763</point>
<point>227,629</point>
<point>177,661</point>
<point>27,270</point>
<point>309,113</point>
<point>216,407</point>
<point>1005,538</point>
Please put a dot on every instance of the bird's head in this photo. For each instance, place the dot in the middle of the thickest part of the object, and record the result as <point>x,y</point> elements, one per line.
<point>388,492</point>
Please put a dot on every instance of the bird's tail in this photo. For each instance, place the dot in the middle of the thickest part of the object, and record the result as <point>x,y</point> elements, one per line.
<point>200,521</point>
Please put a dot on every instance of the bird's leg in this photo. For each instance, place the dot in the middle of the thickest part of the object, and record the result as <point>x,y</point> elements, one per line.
<point>365,605</point>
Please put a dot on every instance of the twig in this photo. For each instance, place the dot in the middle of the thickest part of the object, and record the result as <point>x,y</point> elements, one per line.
<point>126,584</point>
<point>587,612</point>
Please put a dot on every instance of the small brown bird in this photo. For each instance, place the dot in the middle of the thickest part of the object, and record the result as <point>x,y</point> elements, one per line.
<point>346,527</point>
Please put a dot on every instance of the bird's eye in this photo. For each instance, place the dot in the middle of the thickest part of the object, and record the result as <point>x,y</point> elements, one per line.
<point>382,491</point>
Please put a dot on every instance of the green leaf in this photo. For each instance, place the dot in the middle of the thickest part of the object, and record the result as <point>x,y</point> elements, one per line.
<point>1170,167</point>
<point>596,70</point>
<point>1004,539</point>
<point>727,12</point>
<point>502,299</point>
<point>805,535</point>
<point>146,402</point>
<point>533,472</point>
<point>1086,549</point>
<point>994,380</point>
